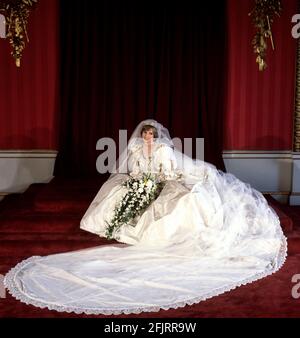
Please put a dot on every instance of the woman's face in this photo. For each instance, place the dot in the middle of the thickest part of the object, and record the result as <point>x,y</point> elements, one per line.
<point>148,135</point>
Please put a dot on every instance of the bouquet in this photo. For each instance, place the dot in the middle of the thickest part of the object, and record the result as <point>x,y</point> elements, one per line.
<point>141,192</point>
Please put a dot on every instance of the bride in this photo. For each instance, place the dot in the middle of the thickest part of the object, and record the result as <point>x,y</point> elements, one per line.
<point>206,233</point>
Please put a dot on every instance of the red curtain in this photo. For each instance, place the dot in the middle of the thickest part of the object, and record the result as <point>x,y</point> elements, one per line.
<point>127,61</point>
<point>29,94</point>
<point>260,105</point>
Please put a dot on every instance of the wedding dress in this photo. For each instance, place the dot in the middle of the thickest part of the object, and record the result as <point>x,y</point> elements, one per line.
<point>205,234</point>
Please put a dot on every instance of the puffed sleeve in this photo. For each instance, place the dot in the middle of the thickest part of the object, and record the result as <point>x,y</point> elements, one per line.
<point>167,161</point>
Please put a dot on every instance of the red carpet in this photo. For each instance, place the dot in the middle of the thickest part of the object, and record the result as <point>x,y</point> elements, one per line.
<point>45,220</point>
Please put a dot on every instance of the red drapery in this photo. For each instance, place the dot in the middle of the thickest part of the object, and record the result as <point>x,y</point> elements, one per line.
<point>260,105</point>
<point>128,61</point>
<point>29,94</point>
<point>164,82</point>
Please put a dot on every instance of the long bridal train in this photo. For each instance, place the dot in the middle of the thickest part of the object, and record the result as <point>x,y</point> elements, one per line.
<point>206,233</point>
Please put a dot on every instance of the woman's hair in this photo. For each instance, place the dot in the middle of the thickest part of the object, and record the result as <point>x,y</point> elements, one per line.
<point>147,127</point>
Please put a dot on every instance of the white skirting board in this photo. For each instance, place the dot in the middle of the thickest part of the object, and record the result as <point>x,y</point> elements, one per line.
<point>274,172</point>
<point>21,168</point>
<point>267,171</point>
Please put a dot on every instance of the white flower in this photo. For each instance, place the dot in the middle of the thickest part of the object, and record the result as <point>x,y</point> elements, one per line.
<point>149,184</point>
<point>140,192</point>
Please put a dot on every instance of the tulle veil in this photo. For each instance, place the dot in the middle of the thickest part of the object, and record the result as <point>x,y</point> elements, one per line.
<point>191,170</point>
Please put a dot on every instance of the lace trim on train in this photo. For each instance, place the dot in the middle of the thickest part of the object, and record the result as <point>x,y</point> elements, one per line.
<point>9,283</point>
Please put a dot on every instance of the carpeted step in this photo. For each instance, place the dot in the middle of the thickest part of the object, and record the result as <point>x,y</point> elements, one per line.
<point>41,248</point>
<point>42,226</point>
<point>294,242</point>
<point>79,235</point>
<point>6,263</point>
<point>16,201</point>
<point>39,223</point>
<point>69,195</point>
<point>285,221</point>
<point>68,203</point>
<point>71,203</point>
<point>60,195</point>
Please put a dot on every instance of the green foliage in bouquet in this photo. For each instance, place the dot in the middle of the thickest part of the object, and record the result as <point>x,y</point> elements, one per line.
<point>142,191</point>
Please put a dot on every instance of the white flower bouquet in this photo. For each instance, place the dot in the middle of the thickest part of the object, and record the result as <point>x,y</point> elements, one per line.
<point>142,191</point>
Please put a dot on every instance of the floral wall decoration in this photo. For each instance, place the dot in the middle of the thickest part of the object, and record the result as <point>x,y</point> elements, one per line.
<point>263,15</point>
<point>16,13</point>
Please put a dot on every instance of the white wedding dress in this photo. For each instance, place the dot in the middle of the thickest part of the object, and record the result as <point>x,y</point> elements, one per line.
<point>206,233</point>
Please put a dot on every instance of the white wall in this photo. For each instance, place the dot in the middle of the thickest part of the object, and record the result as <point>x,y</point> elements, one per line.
<point>268,172</point>
<point>275,172</point>
<point>20,168</point>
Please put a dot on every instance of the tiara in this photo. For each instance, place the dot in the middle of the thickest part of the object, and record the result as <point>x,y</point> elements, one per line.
<point>150,123</point>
